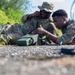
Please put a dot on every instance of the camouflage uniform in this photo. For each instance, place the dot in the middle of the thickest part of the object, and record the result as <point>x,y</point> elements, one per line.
<point>11,33</point>
<point>68,31</point>
<point>35,22</point>
<point>32,23</point>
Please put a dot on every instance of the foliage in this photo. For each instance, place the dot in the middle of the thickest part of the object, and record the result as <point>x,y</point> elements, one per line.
<point>3,17</point>
<point>14,4</point>
<point>14,16</point>
<point>58,32</point>
<point>12,10</point>
<point>11,16</point>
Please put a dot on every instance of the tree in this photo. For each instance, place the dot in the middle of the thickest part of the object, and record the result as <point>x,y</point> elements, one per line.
<point>3,18</point>
<point>13,10</point>
<point>14,4</point>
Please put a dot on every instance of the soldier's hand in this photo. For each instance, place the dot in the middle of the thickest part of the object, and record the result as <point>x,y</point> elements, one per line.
<point>39,30</point>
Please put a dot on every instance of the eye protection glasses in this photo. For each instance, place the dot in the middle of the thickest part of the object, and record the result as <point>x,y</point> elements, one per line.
<point>45,12</point>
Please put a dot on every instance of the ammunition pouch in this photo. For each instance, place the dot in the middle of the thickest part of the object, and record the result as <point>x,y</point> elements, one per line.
<point>29,39</point>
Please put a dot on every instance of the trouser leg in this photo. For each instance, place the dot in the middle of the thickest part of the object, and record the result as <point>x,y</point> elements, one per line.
<point>10,33</point>
<point>10,38</point>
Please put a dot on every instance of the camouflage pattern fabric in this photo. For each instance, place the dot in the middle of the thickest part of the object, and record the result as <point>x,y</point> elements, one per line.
<point>47,7</point>
<point>68,36</point>
<point>34,22</point>
<point>10,33</point>
<point>14,32</point>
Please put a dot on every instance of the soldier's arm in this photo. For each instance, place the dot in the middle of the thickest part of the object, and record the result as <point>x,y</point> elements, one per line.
<point>53,28</point>
<point>68,37</point>
<point>24,18</point>
<point>35,14</point>
<point>28,16</point>
<point>49,35</point>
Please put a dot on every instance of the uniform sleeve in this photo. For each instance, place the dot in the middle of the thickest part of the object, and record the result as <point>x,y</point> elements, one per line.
<point>53,28</point>
<point>24,18</point>
<point>68,36</point>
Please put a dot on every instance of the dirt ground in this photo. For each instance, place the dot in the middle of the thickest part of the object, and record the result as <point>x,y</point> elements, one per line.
<point>36,60</point>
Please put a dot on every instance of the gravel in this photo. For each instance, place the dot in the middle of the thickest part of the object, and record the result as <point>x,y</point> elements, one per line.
<point>35,60</point>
